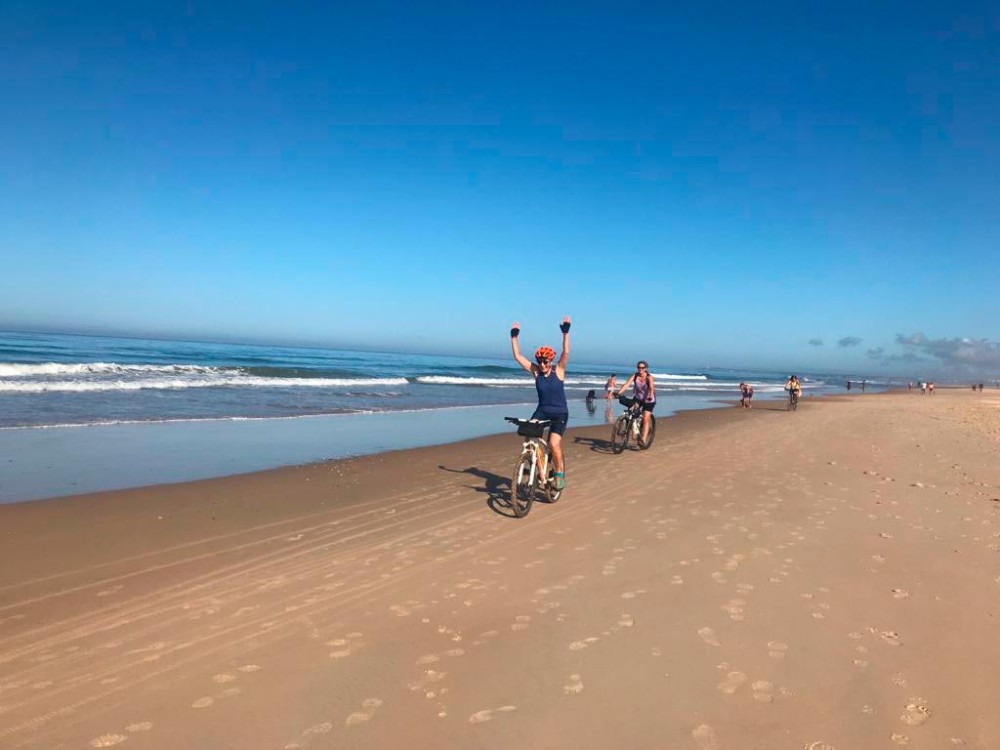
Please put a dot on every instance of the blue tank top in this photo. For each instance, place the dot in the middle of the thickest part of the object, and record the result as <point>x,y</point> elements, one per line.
<point>551,393</point>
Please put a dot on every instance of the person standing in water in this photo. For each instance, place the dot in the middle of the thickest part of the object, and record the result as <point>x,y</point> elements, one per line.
<point>609,387</point>
<point>550,383</point>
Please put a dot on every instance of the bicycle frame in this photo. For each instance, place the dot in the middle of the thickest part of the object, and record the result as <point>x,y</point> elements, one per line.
<point>539,450</point>
<point>630,425</point>
<point>534,466</point>
<point>793,399</point>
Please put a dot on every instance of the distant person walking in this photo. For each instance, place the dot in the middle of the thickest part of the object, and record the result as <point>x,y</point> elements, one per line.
<point>930,387</point>
<point>609,387</point>
<point>909,385</point>
<point>550,382</point>
<point>743,395</point>
<point>848,386</point>
<point>863,383</point>
<point>923,387</point>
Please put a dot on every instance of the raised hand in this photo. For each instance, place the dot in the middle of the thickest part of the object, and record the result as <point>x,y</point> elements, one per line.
<point>564,326</point>
<point>515,329</point>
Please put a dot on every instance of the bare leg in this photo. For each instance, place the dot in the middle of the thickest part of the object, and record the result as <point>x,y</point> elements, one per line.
<point>645,426</point>
<point>555,442</point>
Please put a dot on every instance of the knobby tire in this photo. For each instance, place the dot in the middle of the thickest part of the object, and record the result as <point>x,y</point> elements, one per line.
<point>522,489</point>
<point>620,434</point>
<point>652,433</point>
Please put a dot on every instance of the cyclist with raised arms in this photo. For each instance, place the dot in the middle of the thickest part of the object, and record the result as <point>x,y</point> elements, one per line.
<point>644,392</point>
<point>550,384</point>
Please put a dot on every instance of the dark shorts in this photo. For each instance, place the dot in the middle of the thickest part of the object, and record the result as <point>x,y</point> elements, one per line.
<point>558,419</point>
<point>648,406</point>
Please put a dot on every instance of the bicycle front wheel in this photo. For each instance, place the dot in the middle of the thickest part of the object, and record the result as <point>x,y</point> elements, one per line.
<point>619,434</point>
<point>644,444</point>
<point>522,487</point>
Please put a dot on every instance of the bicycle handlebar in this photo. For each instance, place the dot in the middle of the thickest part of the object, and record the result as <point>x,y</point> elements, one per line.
<point>520,421</point>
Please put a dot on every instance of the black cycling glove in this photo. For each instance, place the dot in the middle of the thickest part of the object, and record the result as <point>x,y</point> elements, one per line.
<point>564,326</point>
<point>515,330</point>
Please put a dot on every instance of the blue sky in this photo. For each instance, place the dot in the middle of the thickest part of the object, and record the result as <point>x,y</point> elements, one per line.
<point>787,186</point>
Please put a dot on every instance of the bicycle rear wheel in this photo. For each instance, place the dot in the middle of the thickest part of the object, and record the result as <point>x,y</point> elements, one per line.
<point>644,444</point>
<point>619,434</point>
<point>522,488</point>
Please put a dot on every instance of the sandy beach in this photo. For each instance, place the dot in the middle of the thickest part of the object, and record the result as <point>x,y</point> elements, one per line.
<point>824,579</point>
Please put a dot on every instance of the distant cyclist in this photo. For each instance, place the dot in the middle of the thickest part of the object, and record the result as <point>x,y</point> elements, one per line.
<point>793,385</point>
<point>644,392</point>
<point>550,384</point>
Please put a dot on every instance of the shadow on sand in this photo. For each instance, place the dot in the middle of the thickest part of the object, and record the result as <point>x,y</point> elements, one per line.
<point>497,488</point>
<point>596,444</point>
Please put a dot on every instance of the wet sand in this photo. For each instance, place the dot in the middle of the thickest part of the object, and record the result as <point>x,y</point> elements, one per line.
<point>823,579</point>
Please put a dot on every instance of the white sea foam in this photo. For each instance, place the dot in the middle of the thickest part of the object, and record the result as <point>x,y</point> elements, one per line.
<point>670,376</point>
<point>449,380</point>
<point>521,382</point>
<point>242,381</point>
<point>13,370</point>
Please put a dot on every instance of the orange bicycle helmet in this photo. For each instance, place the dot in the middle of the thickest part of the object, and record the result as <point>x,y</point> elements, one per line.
<point>545,352</point>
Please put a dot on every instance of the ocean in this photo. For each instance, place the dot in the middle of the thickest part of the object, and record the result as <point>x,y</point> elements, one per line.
<point>48,380</point>
<point>86,413</point>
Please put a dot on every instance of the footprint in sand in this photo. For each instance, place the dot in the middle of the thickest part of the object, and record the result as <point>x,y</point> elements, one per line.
<point>626,621</point>
<point>108,740</point>
<point>221,679</point>
<point>708,635</point>
<point>203,702</point>
<point>776,649</point>
<point>369,706</point>
<point>522,622</point>
<point>732,682</point>
<point>430,677</point>
<point>915,713</point>
<point>891,637</point>
<point>900,739</point>
<point>763,691</point>
<point>324,728</point>
<point>139,726</point>
<point>487,714</point>
<point>704,735</point>
<point>248,668</point>
<point>575,685</point>
<point>900,593</point>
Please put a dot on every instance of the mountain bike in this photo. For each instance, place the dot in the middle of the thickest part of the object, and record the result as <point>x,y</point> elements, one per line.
<point>793,400</point>
<point>629,426</point>
<point>534,471</point>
